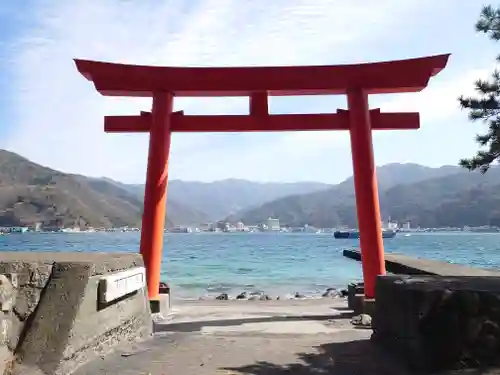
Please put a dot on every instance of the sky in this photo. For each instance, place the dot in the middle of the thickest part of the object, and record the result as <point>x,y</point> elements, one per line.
<point>50,114</point>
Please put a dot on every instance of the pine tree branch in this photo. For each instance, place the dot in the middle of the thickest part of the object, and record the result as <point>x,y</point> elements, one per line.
<point>486,105</point>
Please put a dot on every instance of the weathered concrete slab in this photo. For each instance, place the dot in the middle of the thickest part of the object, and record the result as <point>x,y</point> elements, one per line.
<point>56,322</point>
<point>403,264</point>
<point>254,337</point>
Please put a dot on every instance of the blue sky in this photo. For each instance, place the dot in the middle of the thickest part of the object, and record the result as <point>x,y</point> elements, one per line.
<point>51,115</point>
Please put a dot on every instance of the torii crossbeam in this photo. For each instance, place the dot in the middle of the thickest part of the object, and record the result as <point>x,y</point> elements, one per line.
<point>258,83</point>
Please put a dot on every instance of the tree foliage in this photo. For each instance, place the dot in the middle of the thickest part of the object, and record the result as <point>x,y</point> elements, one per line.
<point>485,106</point>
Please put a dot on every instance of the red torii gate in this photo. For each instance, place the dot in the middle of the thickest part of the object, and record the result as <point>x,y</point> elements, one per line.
<point>258,83</point>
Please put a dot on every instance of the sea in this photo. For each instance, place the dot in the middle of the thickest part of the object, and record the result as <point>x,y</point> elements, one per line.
<point>204,265</point>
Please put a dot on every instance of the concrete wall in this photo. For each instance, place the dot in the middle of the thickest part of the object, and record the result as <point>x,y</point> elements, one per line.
<point>51,320</point>
<point>439,323</point>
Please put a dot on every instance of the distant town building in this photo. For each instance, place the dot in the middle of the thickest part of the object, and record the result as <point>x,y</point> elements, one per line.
<point>407,226</point>
<point>206,227</point>
<point>273,224</point>
<point>240,226</point>
<point>221,225</point>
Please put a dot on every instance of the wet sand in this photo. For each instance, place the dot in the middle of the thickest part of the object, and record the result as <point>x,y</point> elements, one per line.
<point>252,337</point>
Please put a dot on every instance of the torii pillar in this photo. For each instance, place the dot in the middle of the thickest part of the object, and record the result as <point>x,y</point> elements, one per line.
<point>258,83</point>
<point>155,193</point>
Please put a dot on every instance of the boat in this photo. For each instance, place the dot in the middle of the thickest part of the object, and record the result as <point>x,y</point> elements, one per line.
<point>354,234</point>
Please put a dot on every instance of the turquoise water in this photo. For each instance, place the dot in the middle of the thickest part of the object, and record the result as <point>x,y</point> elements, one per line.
<point>278,264</point>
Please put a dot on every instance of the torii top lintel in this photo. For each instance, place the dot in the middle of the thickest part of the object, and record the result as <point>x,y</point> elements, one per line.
<point>376,78</point>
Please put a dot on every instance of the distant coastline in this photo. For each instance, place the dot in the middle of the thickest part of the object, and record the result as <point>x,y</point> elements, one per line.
<point>194,230</point>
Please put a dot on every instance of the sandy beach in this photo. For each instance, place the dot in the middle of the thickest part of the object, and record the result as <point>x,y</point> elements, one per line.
<point>312,336</point>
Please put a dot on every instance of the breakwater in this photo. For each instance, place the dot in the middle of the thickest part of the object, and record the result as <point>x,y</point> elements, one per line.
<point>404,264</point>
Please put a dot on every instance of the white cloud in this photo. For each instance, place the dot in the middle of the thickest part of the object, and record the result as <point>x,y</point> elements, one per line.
<point>59,114</point>
<point>439,100</point>
<point>437,103</point>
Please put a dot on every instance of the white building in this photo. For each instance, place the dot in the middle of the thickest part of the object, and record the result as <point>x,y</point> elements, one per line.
<point>273,224</point>
<point>205,227</point>
<point>407,226</point>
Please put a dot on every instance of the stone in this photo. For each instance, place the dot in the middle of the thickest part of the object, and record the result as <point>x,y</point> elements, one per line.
<point>7,294</point>
<point>222,297</point>
<point>265,297</point>
<point>6,359</point>
<point>439,323</point>
<point>4,328</point>
<point>243,295</point>
<point>15,330</point>
<point>298,295</point>
<point>364,320</point>
<point>26,302</point>
<point>331,292</point>
<point>40,275</point>
<point>13,279</point>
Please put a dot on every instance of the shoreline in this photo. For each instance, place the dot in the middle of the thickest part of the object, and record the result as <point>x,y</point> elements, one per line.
<point>244,312</point>
<point>259,295</point>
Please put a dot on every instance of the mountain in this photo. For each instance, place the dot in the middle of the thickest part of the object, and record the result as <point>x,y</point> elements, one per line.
<point>466,198</point>
<point>394,174</point>
<point>218,199</point>
<point>429,197</point>
<point>31,193</point>
<point>181,214</point>
<point>426,196</point>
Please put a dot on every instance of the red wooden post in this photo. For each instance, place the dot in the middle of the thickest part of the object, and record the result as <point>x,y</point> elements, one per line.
<point>365,185</point>
<point>155,194</point>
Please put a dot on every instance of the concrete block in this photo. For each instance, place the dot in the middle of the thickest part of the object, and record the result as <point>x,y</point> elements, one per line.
<point>363,305</point>
<point>354,289</point>
<point>439,323</point>
<point>58,323</point>
<point>165,303</point>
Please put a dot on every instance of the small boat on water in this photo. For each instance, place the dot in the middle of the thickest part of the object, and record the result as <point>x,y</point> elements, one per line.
<point>354,234</point>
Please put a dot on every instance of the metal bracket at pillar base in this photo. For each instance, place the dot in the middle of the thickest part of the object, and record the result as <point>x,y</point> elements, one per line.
<point>156,313</point>
<point>154,305</point>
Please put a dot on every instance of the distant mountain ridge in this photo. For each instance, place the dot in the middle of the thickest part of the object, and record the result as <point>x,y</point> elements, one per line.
<point>423,195</point>
<point>393,174</point>
<point>31,193</point>
<point>218,199</point>
<point>177,213</point>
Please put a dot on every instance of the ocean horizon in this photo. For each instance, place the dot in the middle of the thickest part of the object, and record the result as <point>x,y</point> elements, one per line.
<point>198,265</point>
